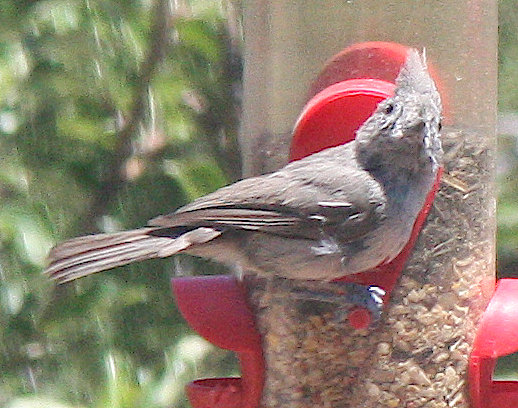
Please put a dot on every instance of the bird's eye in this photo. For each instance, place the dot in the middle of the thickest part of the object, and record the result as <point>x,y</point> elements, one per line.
<point>440,126</point>
<point>389,108</point>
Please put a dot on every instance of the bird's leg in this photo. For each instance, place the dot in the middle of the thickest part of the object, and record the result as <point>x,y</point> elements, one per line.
<point>346,295</point>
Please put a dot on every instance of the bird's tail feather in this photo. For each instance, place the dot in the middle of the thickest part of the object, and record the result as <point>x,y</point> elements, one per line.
<point>90,254</point>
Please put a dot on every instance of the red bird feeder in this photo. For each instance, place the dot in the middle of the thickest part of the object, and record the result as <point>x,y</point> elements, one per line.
<point>341,99</point>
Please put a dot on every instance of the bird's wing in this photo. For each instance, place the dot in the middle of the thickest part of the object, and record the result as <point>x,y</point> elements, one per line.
<point>333,199</point>
<point>240,217</point>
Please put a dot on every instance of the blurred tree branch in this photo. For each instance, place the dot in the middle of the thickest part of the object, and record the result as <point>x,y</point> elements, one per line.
<point>113,179</point>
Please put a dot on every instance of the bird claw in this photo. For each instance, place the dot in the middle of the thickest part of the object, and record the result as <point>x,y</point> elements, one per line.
<point>349,296</point>
<point>368,297</point>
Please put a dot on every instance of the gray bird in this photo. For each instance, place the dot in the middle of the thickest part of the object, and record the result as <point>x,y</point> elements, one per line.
<point>338,212</point>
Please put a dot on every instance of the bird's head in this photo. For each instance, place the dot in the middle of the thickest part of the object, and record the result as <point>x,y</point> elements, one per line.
<point>404,129</point>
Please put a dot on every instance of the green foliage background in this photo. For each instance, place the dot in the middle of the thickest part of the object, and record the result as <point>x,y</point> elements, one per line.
<point>112,112</point>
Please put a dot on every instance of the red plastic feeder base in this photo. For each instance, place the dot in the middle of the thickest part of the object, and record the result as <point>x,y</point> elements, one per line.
<point>215,306</point>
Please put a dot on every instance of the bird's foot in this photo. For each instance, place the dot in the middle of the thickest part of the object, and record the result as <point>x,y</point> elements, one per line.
<point>348,296</point>
<point>368,297</point>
